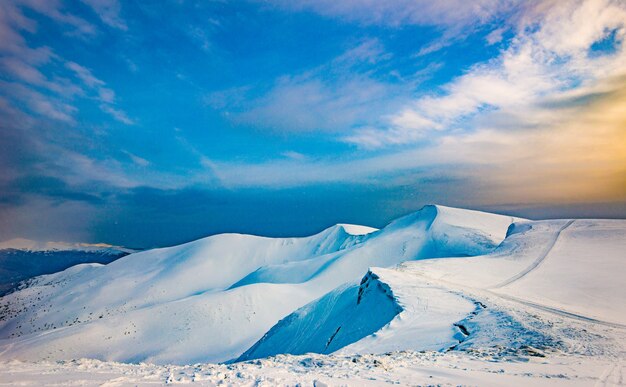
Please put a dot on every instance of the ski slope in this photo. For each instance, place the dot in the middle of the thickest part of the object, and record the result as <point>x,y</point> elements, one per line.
<point>212,299</point>
<point>576,266</point>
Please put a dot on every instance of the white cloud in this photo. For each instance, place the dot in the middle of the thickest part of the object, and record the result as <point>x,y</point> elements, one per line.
<point>310,104</point>
<point>546,58</point>
<point>495,36</point>
<point>53,10</point>
<point>39,103</point>
<point>369,51</point>
<point>564,162</point>
<point>106,95</point>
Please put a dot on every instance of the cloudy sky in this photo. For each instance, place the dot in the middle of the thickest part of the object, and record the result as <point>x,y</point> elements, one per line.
<point>151,123</point>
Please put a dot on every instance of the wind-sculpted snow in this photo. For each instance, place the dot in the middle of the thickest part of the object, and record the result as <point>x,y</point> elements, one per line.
<point>211,299</point>
<point>339,318</point>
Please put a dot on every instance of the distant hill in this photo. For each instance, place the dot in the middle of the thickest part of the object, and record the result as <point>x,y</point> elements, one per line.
<point>21,259</point>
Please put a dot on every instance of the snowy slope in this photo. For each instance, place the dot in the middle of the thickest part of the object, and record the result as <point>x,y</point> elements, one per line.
<point>573,269</point>
<point>434,231</point>
<point>422,316</point>
<point>211,299</point>
<point>572,265</point>
<point>337,319</point>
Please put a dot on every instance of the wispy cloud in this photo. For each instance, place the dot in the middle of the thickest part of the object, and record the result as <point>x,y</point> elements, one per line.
<point>39,103</point>
<point>104,94</point>
<point>331,97</point>
<point>306,103</point>
<point>109,11</point>
<point>580,156</point>
<point>26,65</point>
<point>119,115</point>
<point>140,161</point>
<point>84,75</point>
<point>39,98</point>
<point>455,13</point>
<point>13,18</point>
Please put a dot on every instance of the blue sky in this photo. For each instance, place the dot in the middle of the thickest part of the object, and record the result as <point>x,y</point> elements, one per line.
<point>153,123</point>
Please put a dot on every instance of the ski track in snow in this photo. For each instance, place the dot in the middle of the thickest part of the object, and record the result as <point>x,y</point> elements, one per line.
<point>560,312</point>
<point>539,260</point>
<point>478,295</point>
<point>612,376</point>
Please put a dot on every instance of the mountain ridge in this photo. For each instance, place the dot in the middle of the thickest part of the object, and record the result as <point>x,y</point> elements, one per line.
<point>212,299</point>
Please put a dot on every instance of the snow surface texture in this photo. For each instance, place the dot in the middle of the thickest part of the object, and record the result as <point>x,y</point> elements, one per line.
<point>212,299</point>
<point>398,368</point>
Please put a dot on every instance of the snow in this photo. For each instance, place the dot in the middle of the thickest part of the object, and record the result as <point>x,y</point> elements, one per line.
<point>441,296</point>
<point>339,318</point>
<point>398,368</point>
<point>388,311</point>
<point>355,229</point>
<point>569,268</point>
<point>579,273</point>
<point>575,266</point>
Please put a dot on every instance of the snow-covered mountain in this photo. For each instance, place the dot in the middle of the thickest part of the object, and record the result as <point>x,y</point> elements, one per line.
<point>440,279</point>
<point>21,259</point>
<point>212,299</point>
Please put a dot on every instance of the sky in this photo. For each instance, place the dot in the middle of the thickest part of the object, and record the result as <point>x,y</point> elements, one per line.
<point>152,123</point>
